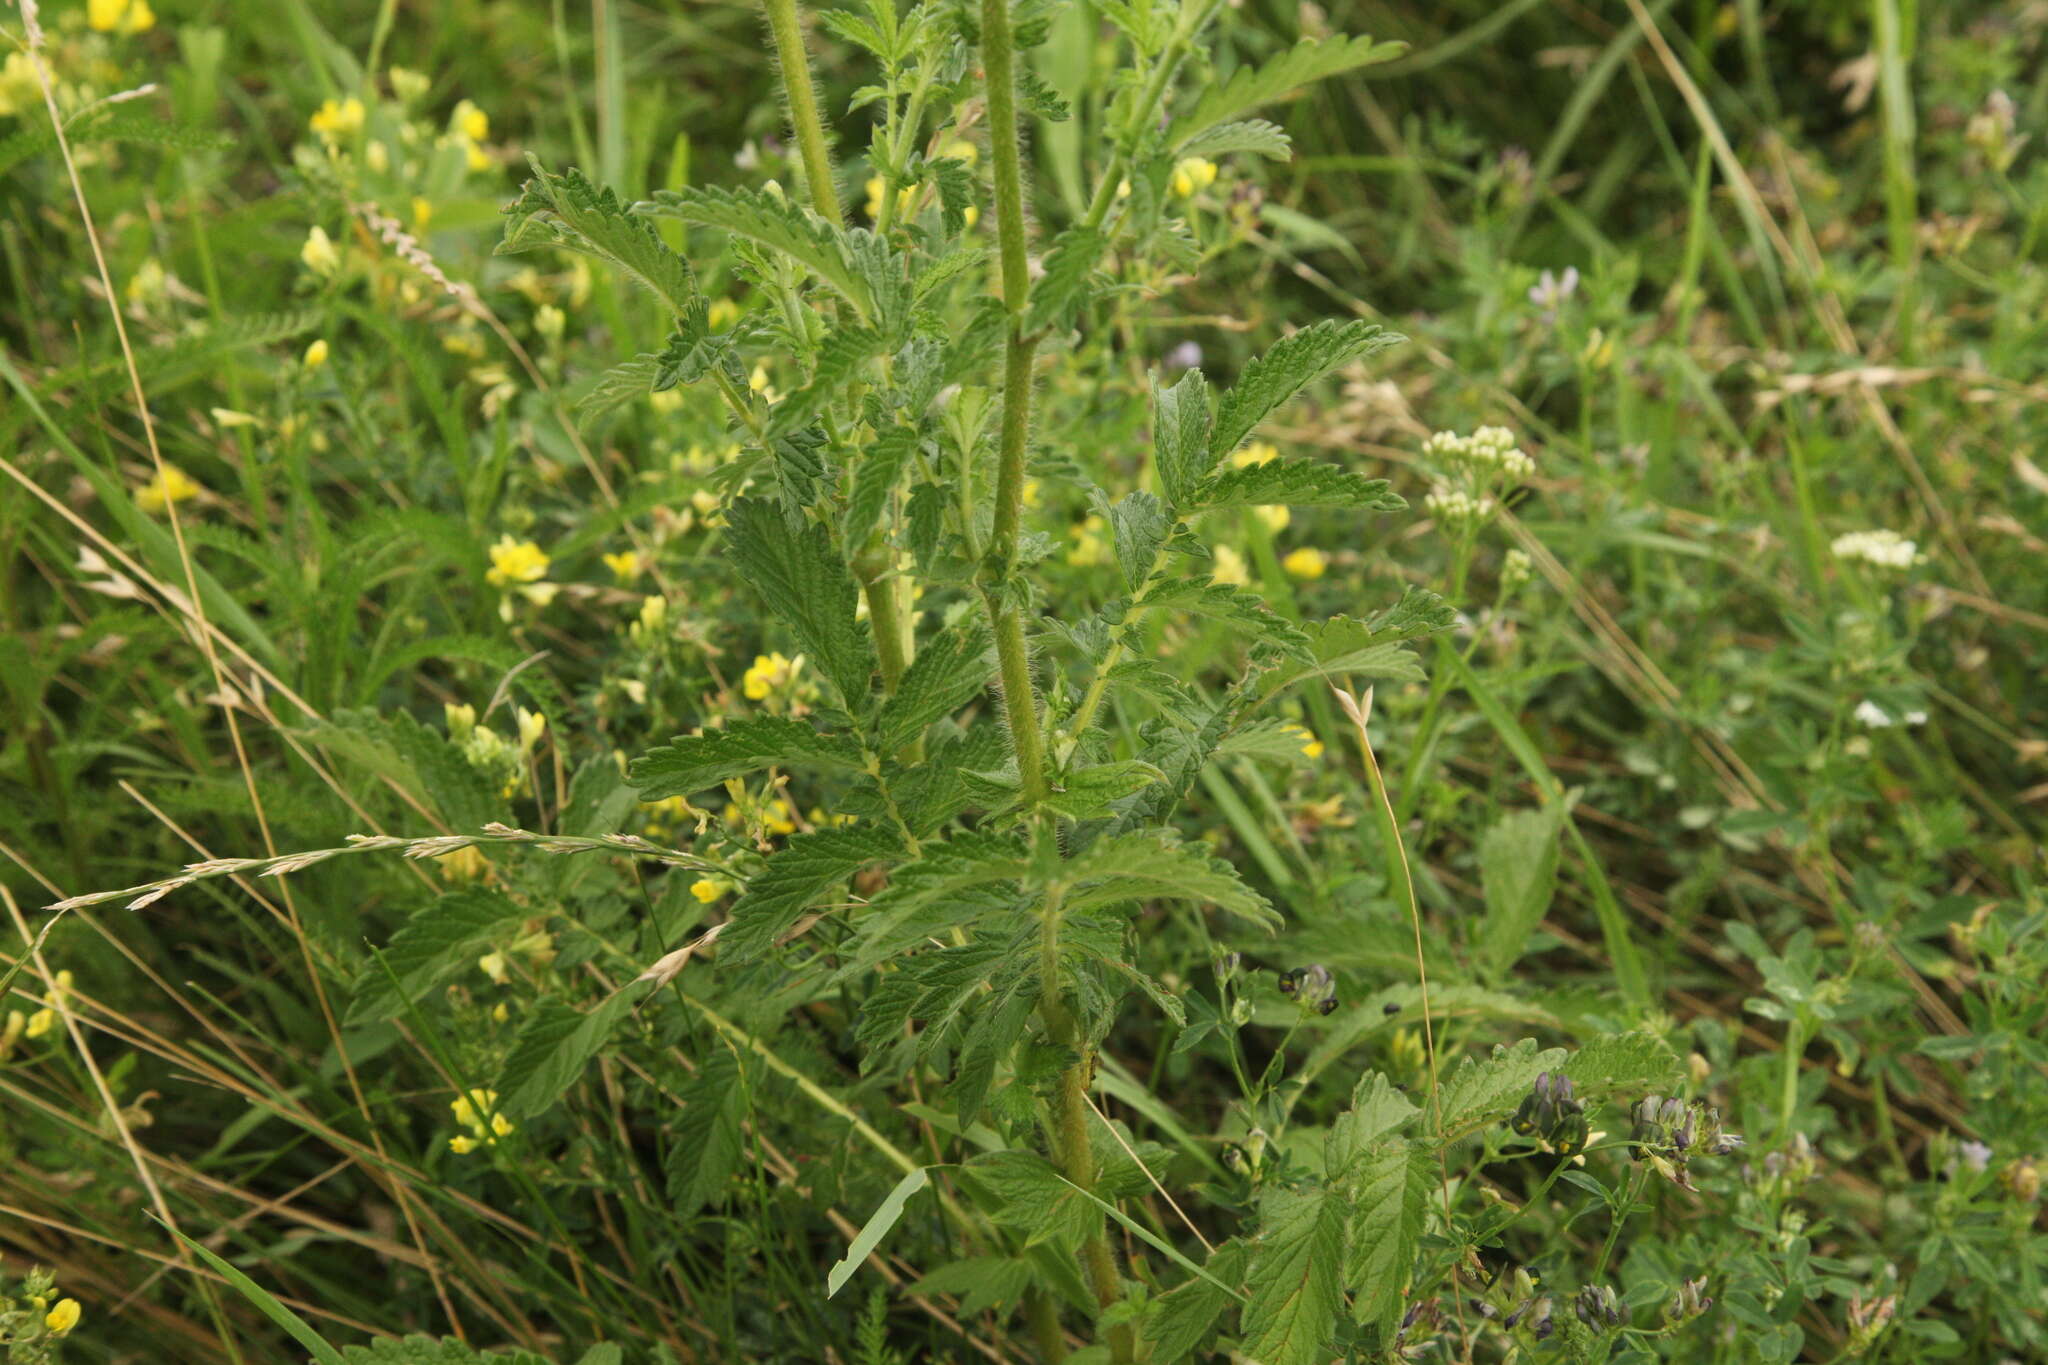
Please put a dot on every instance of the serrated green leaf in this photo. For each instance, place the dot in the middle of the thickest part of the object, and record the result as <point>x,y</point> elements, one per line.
<point>690,763</point>
<point>956,879</point>
<point>1625,1062</point>
<point>1178,1321</point>
<point>1064,286</point>
<point>1292,483</point>
<point>1227,602</point>
<point>980,1282</point>
<point>1151,866</point>
<point>776,223</point>
<point>1029,1196</point>
<point>875,477</point>
<point>706,1146</point>
<point>1181,423</point>
<point>1391,1204</point>
<point>693,348</point>
<point>1139,524</point>
<point>1088,792</point>
<point>1251,135</point>
<point>1291,365</point>
<point>569,212</point>
<point>998,1025</point>
<point>1518,874</point>
<point>803,580</point>
<point>949,671</point>
<point>1483,1092</point>
<point>1378,1111</point>
<point>440,939</point>
<point>793,878</point>
<point>1292,1289</point>
<point>554,1044</point>
<point>1308,61</point>
<point>618,386</point>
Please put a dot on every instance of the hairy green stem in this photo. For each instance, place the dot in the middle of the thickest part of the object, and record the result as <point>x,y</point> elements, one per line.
<point>803,106</point>
<point>1020,700</point>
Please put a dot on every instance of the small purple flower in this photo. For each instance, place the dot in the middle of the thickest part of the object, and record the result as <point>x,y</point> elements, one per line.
<point>1185,356</point>
<point>1550,292</point>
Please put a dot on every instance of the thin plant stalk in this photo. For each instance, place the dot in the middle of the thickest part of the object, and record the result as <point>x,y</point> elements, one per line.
<point>803,106</point>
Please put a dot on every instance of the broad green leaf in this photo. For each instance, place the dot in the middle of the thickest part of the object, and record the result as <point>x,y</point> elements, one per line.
<point>980,1282</point>
<point>1149,866</point>
<point>840,358</point>
<point>441,939</point>
<point>1296,483</point>
<point>876,1228</point>
<point>776,223</point>
<point>950,882</point>
<point>1227,602</point>
<point>569,212</point>
<point>1518,873</point>
<point>1392,1184</point>
<point>705,1147</point>
<point>1180,1320</point>
<point>693,348</point>
<point>619,385</point>
<point>1181,423</point>
<point>1308,61</point>
<point>691,763</point>
<point>1377,1112</point>
<point>803,580</point>
<point>793,878</point>
<point>1291,365</point>
<point>998,1025</point>
<point>1292,1288</point>
<point>554,1044</point>
<point>875,477</point>
<point>951,669</point>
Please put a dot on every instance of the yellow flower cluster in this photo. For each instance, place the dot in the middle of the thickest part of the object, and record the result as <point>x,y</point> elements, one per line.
<point>120,16</point>
<point>1193,175</point>
<point>173,485</point>
<point>625,565</point>
<point>770,674</point>
<point>478,1112</point>
<point>518,566</point>
<point>1311,747</point>
<point>337,120</point>
<point>1306,563</point>
<point>38,1025</point>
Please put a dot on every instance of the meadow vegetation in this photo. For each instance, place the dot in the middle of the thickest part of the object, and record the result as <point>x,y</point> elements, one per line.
<point>1023,680</point>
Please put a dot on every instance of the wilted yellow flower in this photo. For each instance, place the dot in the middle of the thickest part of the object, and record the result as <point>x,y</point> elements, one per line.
<point>1193,175</point>
<point>336,119</point>
<point>1230,567</point>
<point>230,419</point>
<point>120,16</point>
<point>172,485</point>
<point>11,1031</point>
<point>316,354</point>
<point>41,1022</point>
<point>708,889</point>
<point>625,565</point>
<point>319,253</point>
<point>61,1319</point>
<point>515,561</point>
<point>1307,562</point>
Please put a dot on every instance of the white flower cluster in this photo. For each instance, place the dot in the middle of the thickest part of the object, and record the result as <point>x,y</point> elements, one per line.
<point>1886,549</point>
<point>1869,713</point>
<point>1486,451</point>
<point>1454,507</point>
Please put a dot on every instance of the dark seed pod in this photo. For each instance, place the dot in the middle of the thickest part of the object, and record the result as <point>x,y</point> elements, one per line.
<point>1328,1006</point>
<point>1390,1009</point>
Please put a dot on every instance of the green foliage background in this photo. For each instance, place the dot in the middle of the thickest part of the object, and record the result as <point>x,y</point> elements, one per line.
<point>1694,803</point>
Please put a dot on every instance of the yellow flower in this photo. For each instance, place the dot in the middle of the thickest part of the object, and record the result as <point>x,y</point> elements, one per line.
<point>462,1144</point>
<point>230,419</point>
<point>502,1126</point>
<point>1258,452</point>
<point>905,198</point>
<point>500,1012</point>
<point>1307,562</point>
<point>422,213</point>
<point>377,157</point>
<point>777,817</point>
<point>11,1031</point>
<point>470,121</point>
<point>173,485</point>
<point>464,864</point>
<point>120,16</point>
<point>1274,516</point>
<point>319,253</point>
<point>475,157</point>
<point>707,889</point>
<point>316,354</point>
<point>758,381</point>
<point>960,149</point>
<point>1311,747</point>
<point>407,85</point>
<point>532,725</point>
<point>1089,548</point>
<point>1193,175</point>
<point>336,119</point>
<point>970,215</point>
<point>467,1108</point>
<point>722,314</point>
<point>149,283</point>
<point>495,967</point>
<point>61,1319</point>
<point>625,565</point>
<point>515,561</point>
<point>41,1022</point>
<point>770,672</point>
<point>1230,568</point>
